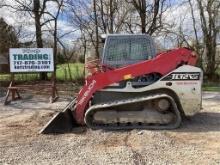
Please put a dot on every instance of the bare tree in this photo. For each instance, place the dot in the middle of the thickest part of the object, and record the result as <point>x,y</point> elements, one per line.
<point>150,13</point>
<point>100,17</point>
<point>107,10</point>
<point>197,45</point>
<point>202,37</point>
<point>38,13</point>
<point>81,15</point>
<point>112,15</point>
<point>59,4</point>
<point>37,17</point>
<point>209,15</point>
<point>140,6</point>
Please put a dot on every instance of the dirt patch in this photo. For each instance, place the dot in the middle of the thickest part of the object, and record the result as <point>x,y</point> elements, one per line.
<point>196,142</point>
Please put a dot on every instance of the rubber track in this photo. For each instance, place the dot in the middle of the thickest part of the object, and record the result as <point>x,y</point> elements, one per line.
<point>94,108</point>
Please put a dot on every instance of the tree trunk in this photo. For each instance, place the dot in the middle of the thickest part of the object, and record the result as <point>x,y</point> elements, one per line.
<point>55,45</point>
<point>37,17</point>
<point>143,23</point>
<point>111,14</point>
<point>210,69</point>
<point>140,6</point>
<point>96,30</point>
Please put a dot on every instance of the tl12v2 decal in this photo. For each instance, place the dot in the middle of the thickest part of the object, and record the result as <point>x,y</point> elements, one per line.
<point>179,76</point>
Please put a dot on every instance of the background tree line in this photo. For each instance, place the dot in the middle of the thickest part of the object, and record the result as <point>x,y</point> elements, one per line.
<point>197,27</point>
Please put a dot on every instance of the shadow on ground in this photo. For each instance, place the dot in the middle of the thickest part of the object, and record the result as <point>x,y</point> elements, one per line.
<point>201,122</point>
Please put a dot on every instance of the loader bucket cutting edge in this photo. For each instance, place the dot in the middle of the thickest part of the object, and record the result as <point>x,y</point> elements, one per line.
<point>62,122</point>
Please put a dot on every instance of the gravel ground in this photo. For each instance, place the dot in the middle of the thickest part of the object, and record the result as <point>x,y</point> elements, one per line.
<point>196,142</point>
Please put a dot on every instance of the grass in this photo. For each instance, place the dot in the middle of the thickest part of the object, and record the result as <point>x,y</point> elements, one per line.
<point>76,71</point>
<point>77,74</point>
<point>211,87</point>
<point>63,74</point>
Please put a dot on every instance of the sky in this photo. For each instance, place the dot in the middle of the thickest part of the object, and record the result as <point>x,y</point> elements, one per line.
<point>177,14</point>
<point>18,19</point>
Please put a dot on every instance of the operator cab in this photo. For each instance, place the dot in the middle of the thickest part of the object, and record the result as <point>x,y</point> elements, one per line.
<point>122,50</point>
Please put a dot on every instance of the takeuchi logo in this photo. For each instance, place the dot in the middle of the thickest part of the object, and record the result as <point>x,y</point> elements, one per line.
<point>87,92</point>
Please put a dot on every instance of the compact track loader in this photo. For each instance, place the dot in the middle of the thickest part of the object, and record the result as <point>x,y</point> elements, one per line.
<point>132,87</point>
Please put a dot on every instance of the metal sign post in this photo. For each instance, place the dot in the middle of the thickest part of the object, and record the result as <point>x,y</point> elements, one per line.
<point>31,60</point>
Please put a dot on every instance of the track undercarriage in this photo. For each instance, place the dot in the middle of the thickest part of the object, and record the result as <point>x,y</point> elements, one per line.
<point>149,112</point>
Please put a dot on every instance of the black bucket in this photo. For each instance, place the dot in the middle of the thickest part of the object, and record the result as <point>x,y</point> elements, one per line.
<point>62,122</point>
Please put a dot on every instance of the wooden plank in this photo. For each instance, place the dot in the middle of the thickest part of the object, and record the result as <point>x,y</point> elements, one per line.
<point>8,94</point>
<point>14,89</point>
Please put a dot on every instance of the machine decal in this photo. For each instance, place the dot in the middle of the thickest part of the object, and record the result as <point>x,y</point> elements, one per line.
<point>90,87</point>
<point>178,76</point>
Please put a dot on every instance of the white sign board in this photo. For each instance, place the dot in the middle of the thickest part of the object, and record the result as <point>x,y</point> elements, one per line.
<point>31,60</point>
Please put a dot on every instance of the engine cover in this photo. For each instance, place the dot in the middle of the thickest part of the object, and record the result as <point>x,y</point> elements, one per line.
<point>185,82</point>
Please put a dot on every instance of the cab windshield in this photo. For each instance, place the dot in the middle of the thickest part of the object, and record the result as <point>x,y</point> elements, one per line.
<point>124,50</point>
